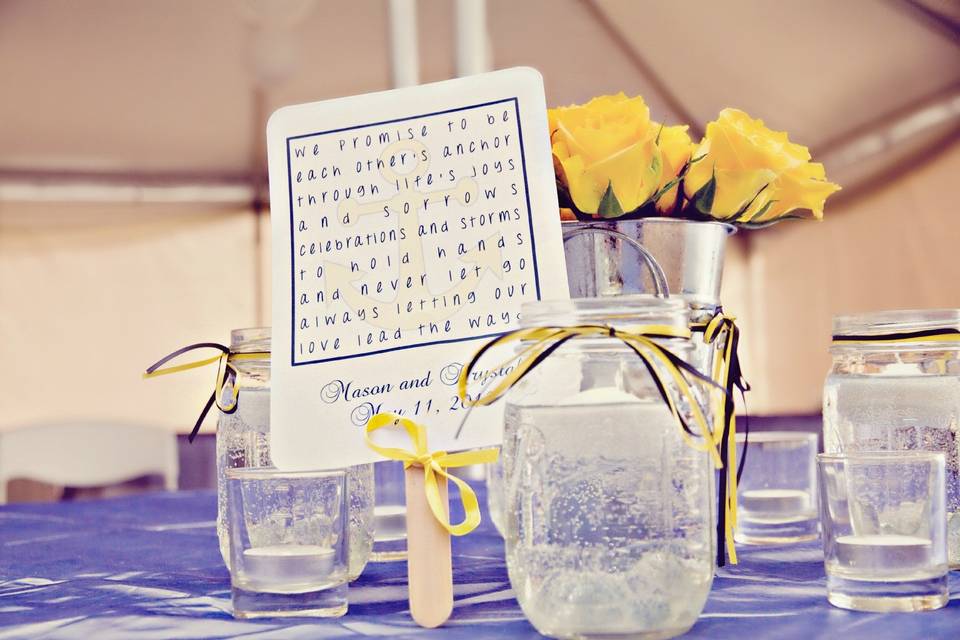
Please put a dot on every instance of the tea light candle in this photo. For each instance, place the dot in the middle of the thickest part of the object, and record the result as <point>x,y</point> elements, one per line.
<point>775,501</point>
<point>884,552</point>
<point>285,564</point>
<point>391,522</point>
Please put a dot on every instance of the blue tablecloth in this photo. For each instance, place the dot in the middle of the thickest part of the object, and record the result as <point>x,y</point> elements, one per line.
<point>149,567</point>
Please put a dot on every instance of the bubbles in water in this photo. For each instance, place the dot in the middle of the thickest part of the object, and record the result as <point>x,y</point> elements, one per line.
<point>608,525</point>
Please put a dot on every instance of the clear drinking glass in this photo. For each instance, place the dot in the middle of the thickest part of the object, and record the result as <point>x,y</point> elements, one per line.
<point>243,440</point>
<point>289,542</point>
<point>777,493</point>
<point>390,513</point>
<point>884,530</point>
<point>608,510</point>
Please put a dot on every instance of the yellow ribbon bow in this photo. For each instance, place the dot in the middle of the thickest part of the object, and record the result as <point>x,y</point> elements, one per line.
<point>663,365</point>
<point>434,464</point>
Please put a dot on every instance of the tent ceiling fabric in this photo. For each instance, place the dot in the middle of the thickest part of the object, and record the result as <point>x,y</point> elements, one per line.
<point>818,68</point>
<point>168,86</point>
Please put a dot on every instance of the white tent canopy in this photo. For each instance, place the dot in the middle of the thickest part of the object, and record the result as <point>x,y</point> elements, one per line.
<point>179,89</point>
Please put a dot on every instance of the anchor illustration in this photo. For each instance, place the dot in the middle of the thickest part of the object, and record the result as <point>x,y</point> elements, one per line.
<point>406,204</point>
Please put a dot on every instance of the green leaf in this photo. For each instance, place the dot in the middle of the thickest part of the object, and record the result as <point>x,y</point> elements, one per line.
<point>703,199</point>
<point>762,211</point>
<point>670,185</point>
<point>768,223</point>
<point>656,166</point>
<point>744,208</point>
<point>609,205</point>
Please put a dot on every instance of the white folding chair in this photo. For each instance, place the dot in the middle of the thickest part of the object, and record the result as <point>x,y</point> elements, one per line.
<point>87,455</point>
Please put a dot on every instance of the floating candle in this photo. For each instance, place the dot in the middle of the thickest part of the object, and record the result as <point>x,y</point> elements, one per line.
<point>884,553</point>
<point>288,564</point>
<point>775,502</point>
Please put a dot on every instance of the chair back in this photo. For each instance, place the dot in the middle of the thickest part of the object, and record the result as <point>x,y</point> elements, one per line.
<point>87,455</point>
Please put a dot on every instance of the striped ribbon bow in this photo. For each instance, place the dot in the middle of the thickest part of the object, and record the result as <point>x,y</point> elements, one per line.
<point>226,374</point>
<point>667,370</point>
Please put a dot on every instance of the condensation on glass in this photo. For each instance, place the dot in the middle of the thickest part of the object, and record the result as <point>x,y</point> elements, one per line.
<point>884,530</point>
<point>607,511</point>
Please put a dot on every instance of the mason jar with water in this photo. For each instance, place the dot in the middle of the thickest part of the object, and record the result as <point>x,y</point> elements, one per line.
<point>895,385</point>
<point>608,507</point>
<point>609,258</point>
<point>243,440</point>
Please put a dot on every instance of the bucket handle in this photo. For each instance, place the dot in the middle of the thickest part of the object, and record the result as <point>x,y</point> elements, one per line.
<point>656,271</point>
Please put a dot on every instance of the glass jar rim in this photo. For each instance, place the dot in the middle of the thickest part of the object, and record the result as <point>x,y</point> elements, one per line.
<point>882,456</point>
<point>726,226</point>
<point>622,310</point>
<point>758,437</point>
<point>250,340</point>
<point>895,321</point>
<point>272,473</point>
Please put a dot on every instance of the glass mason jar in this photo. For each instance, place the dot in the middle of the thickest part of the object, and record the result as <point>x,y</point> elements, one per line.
<point>609,511</point>
<point>682,258</point>
<point>243,440</point>
<point>898,395</point>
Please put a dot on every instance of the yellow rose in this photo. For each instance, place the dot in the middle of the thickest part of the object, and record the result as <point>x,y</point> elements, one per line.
<point>675,150</point>
<point>744,172</point>
<point>605,154</point>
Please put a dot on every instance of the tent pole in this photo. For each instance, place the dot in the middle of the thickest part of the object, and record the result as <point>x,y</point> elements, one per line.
<point>404,59</point>
<point>472,39</point>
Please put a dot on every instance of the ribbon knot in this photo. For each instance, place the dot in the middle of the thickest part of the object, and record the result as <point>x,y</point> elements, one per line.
<point>667,370</point>
<point>426,460</point>
<point>434,464</point>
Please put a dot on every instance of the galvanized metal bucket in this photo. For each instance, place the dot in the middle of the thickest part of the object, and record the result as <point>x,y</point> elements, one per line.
<point>602,260</point>
<point>665,256</point>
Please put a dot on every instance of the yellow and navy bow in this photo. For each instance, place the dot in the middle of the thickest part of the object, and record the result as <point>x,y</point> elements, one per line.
<point>226,374</point>
<point>727,373</point>
<point>718,440</point>
<point>543,341</point>
<point>434,464</point>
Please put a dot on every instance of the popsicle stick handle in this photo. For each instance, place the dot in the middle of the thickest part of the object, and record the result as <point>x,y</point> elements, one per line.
<point>429,563</point>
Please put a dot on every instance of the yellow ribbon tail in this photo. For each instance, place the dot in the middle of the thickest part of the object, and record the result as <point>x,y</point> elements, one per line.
<point>182,367</point>
<point>724,425</point>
